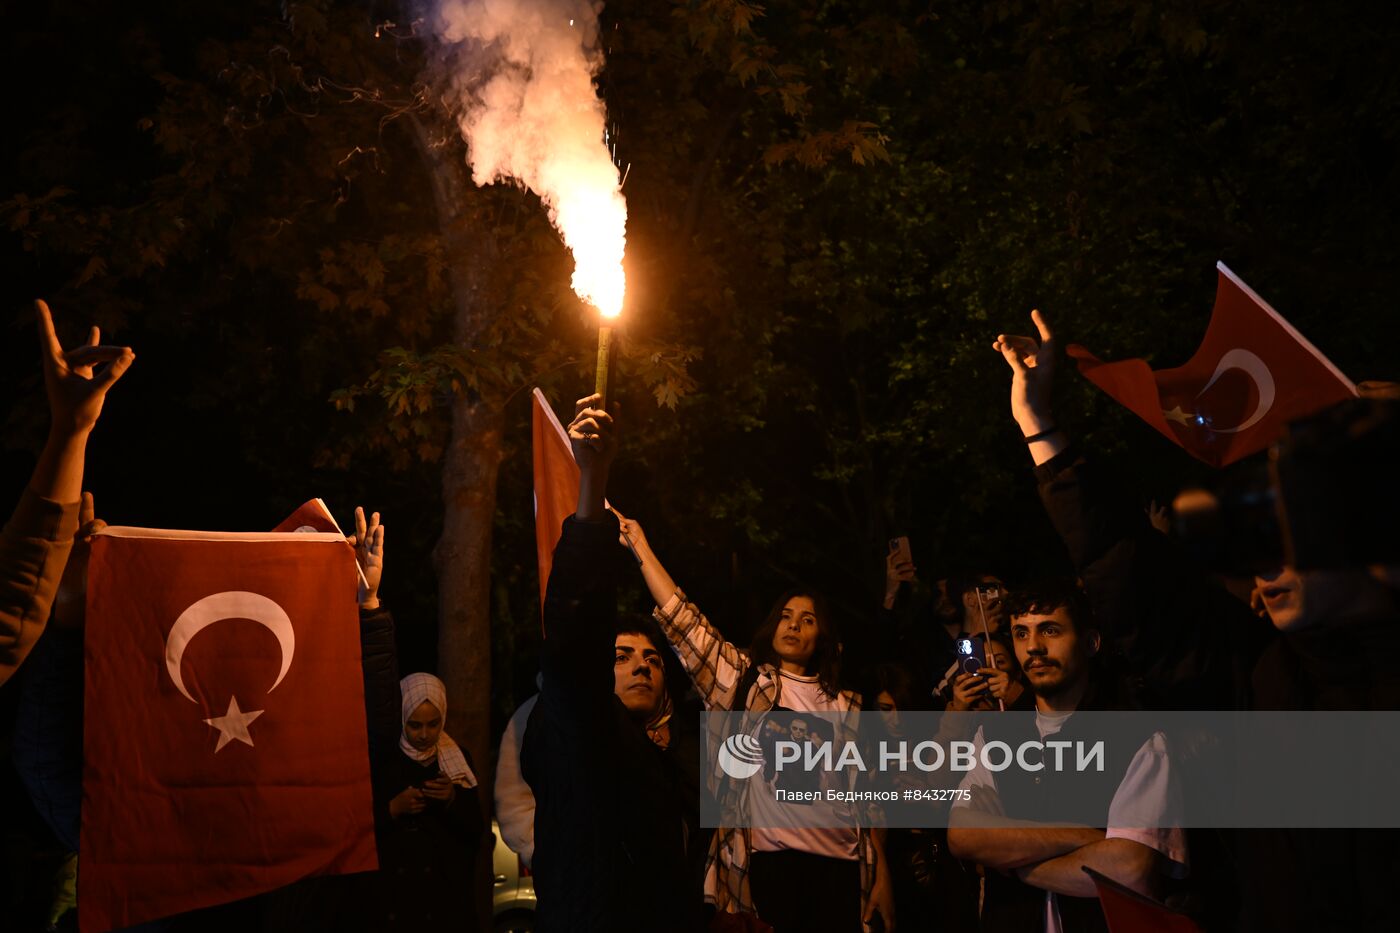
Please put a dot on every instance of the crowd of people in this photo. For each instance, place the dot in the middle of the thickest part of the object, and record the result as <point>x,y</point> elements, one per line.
<point>599,783</point>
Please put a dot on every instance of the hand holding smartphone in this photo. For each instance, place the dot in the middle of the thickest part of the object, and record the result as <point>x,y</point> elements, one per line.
<point>900,561</point>
<point>972,656</point>
<point>438,788</point>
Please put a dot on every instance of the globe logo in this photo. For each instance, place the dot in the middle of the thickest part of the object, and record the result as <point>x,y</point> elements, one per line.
<point>740,756</point>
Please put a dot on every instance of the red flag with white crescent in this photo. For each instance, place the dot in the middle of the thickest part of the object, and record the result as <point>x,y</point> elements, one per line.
<point>1253,373</point>
<point>224,741</point>
<point>556,483</point>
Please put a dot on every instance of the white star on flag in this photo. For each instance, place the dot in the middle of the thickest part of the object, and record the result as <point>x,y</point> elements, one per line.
<point>233,724</point>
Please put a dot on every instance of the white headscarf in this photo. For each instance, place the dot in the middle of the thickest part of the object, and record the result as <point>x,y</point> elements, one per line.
<point>416,689</point>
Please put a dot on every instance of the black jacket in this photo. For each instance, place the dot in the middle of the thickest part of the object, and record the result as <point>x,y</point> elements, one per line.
<point>427,861</point>
<point>610,818</point>
<point>1187,644</point>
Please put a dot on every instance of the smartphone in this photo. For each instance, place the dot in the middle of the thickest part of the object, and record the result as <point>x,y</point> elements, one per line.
<point>900,548</point>
<point>972,655</point>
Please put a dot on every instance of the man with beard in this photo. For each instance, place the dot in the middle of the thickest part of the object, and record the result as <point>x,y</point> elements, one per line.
<point>1036,878</point>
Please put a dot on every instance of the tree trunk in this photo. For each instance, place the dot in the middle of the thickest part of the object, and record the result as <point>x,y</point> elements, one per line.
<point>463,563</point>
<point>462,557</point>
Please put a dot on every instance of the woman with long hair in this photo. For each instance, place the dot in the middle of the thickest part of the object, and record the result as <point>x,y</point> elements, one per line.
<point>793,875</point>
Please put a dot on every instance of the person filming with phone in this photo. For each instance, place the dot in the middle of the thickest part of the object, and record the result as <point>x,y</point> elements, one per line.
<point>987,677</point>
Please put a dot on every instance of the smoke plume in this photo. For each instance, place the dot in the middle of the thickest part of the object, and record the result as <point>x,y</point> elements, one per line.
<point>523,87</point>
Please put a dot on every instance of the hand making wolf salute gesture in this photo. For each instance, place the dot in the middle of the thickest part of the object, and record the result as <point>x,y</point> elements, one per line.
<point>593,435</point>
<point>1033,369</point>
<point>368,542</point>
<point>76,390</point>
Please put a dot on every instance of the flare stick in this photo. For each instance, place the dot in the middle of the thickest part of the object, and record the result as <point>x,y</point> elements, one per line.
<point>604,351</point>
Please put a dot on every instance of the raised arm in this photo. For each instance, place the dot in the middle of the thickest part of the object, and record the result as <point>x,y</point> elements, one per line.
<point>36,542</point>
<point>1173,627</point>
<point>580,609</point>
<point>714,664</point>
<point>379,659</point>
<point>1032,375</point>
<point>658,580</point>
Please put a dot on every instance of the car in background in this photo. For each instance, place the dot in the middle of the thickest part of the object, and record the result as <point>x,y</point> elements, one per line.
<point>512,889</point>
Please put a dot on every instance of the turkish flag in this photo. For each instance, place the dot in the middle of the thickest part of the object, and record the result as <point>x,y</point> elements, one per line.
<point>224,743</point>
<point>315,515</point>
<point>1126,911</point>
<point>1252,374</point>
<point>311,515</point>
<point>556,483</point>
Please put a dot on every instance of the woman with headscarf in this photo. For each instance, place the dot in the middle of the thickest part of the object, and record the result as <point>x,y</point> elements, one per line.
<point>428,819</point>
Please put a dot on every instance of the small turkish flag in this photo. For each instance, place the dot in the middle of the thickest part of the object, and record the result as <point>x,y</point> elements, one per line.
<point>311,515</point>
<point>1252,374</point>
<point>556,483</point>
<point>224,744</point>
<point>315,515</point>
<point>1126,911</point>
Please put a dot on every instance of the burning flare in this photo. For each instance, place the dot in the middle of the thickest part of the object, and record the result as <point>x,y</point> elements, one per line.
<point>529,111</point>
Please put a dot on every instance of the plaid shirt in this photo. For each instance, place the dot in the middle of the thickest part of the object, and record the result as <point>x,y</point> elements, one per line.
<point>716,667</point>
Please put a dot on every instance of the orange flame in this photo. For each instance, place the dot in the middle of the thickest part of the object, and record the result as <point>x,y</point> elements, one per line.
<point>528,107</point>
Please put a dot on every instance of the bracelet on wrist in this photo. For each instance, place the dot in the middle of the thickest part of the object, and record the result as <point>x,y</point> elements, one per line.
<point>1042,435</point>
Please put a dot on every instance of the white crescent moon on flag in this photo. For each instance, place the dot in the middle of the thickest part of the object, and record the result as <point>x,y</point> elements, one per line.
<point>1263,380</point>
<point>233,604</point>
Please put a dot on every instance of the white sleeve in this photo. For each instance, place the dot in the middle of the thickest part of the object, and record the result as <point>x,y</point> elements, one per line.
<point>981,783</point>
<point>947,680</point>
<point>1147,807</point>
<point>515,802</point>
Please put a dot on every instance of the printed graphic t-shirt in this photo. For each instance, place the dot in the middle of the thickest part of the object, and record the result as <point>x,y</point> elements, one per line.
<point>782,825</point>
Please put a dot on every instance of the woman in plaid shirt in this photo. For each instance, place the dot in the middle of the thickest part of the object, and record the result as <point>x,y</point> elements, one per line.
<point>782,867</point>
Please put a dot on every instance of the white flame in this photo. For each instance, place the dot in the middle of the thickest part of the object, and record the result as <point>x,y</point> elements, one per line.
<point>530,112</point>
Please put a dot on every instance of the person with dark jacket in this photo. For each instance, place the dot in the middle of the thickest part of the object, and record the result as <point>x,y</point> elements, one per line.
<point>611,818</point>
<point>428,819</point>
<point>1190,645</point>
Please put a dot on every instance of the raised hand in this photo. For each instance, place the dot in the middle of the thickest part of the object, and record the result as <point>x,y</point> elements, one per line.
<point>70,602</point>
<point>899,569</point>
<point>368,542</point>
<point>632,535</point>
<point>1033,367</point>
<point>76,389</point>
<point>1160,517</point>
<point>593,435</point>
<point>968,691</point>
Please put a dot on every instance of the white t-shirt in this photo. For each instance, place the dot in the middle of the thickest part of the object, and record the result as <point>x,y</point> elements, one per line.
<point>1148,796</point>
<point>784,825</point>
